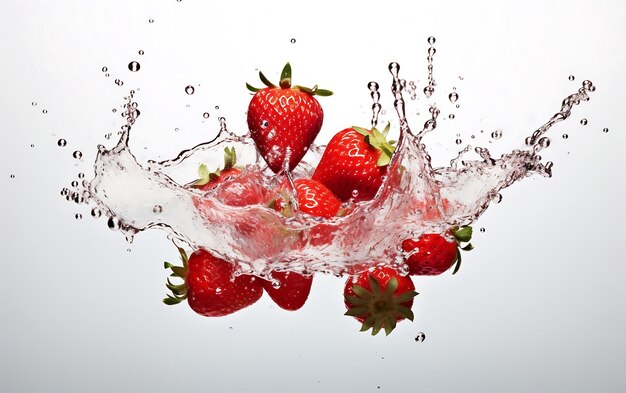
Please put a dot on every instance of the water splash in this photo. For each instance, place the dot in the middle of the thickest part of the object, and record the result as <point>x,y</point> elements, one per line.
<point>415,198</point>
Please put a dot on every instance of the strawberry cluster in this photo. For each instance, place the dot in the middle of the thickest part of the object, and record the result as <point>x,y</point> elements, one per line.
<point>284,121</point>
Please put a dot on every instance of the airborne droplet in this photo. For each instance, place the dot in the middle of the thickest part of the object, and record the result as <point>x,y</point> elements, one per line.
<point>189,90</point>
<point>458,141</point>
<point>134,66</point>
<point>95,212</point>
<point>78,216</point>
<point>293,40</point>
<point>62,142</point>
<point>583,122</point>
<point>431,40</point>
<point>420,337</point>
<point>497,134</point>
<point>77,154</point>
<point>453,97</point>
<point>205,115</point>
<point>565,136</point>
<point>605,130</point>
<point>157,209</point>
<point>141,52</point>
<point>571,77</point>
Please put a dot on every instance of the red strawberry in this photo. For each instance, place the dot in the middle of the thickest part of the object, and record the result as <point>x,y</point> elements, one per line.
<point>208,180</point>
<point>354,163</point>
<point>209,286</point>
<point>435,253</point>
<point>292,292</point>
<point>233,186</point>
<point>313,197</point>
<point>284,120</point>
<point>379,299</point>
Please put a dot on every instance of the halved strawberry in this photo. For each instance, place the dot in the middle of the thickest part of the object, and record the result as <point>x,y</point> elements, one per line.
<point>284,120</point>
<point>433,254</point>
<point>379,299</point>
<point>209,285</point>
<point>355,162</point>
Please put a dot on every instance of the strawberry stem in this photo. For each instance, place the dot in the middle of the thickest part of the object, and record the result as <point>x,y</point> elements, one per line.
<point>285,83</point>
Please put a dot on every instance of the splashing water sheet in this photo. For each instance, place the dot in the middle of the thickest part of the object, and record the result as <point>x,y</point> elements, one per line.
<point>512,130</point>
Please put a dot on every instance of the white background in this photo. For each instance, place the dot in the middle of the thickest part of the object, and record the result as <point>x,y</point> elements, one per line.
<point>537,306</point>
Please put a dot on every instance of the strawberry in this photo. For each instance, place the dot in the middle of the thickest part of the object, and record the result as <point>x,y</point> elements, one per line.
<point>284,120</point>
<point>208,180</point>
<point>230,185</point>
<point>209,285</point>
<point>355,162</point>
<point>292,291</point>
<point>379,299</point>
<point>313,198</point>
<point>436,253</point>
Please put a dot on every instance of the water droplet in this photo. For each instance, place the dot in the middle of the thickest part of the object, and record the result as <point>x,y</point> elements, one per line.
<point>33,103</point>
<point>176,129</point>
<point>482,229</point>
<point>497,134</point>
<point>428,91</point>
<point>157,209</point>
<point>32,145</point>
<point>133,65</point>
<point>74,183</point>
<point>205,115</point>
<point>78,216</point>
<point>113,223</point>
<point>95,212</point>
<point>12,176</point>
<point>565,136</point>
<point>583,122</point>
<point>81,175</point>
<point>458,141</point>
<point>431,40</point>
<point>62,142</point>
<point>293,40</point>
<point>189,90</point>
<point>544,142</point>
<point>420,337</point>
<point>571,77</point>
<point>373,86</point>
<point>458,106</point>
<point>104,69</point>
<point>77,154</point>
<point>151,20</point>
<point>451,116</point>
<point>141,52</point>
<point>265,124</point>
<point>587,84</point>
<point>453,97</point>
<point>128,250</point>
<point>497,198</point>
<point>44,111</point>
<point>605,130</point>
<point>107,75</point>
<point>461,78</point>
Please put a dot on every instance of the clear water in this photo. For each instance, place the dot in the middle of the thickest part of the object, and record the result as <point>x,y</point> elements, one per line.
<point>415,197</point>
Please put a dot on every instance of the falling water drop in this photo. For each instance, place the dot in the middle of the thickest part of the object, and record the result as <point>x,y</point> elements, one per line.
<point>458,141</point>
<point>205,115</point>
<point>77,154</point>
<point>497,134</point>
<point>293,40</point>
<point>431,40</point>
<point>157,209</point>
<point>571,77</point>
<point>95,212</point>
<point>583,122</point>
<point>605,130</point>
<point>482,229</point>
<point>133,65</point>
<point>451,116</point>
<point>151,20</point>
<point>565,136</point>
<point>141,52</point>
<point>189,90</point>
<point>453,97</point>
<point>78,216</point>
<point>420,337</point>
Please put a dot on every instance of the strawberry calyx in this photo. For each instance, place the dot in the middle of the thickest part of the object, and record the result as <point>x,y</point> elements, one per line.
<point>285,83</point>
<point>461,234</point>
<point>379,308</point>
<point>378,140</point>
<point>205,176</point>
<point>179,291</point>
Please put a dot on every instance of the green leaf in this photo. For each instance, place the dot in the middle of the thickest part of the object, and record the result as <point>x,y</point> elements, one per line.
<point>378,324</point>
<point>170,300</point>
<point>265,81</point>
<point>463,234</point>
<point>355,301</point>
<point>392,286</point>
<point>230,158</point>
<point>252,88</point>
<point>285,77</point>
<point>468,247</point>
<point>356,311</point>
<point>384,159</point>
<point>361,130</point>
<point>405,297</point>
<point>406,312</point>
<point>323,93</point>
<point>374,285</point>
<point>390,324</point>
<point>361,292</point>
<point>179,271</point>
